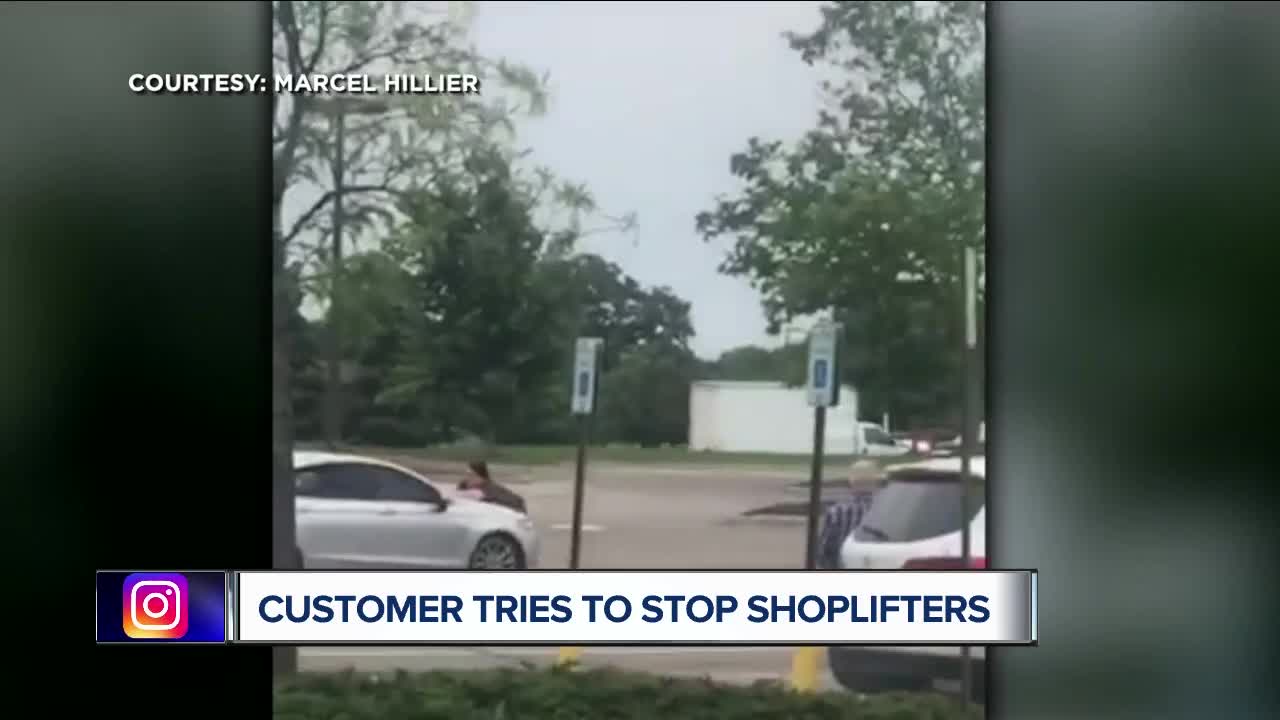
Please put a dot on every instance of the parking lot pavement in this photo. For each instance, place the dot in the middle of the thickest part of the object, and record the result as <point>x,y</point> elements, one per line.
<point>662,519</point>
<point>728,665</point>
<point>612,547</point>
<point>635,517</point>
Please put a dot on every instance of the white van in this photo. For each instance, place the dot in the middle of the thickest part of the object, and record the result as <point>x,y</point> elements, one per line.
<point>914,523</point>
<point>872,441</point>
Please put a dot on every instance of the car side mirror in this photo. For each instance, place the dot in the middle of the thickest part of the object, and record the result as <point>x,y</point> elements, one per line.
<point>442,504</point>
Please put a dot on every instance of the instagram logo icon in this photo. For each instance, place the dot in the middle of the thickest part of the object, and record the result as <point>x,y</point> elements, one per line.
<point>155,606</point>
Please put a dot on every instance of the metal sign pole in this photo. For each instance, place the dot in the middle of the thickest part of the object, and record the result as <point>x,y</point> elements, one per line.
<point>582,403</point>
<point>815,487</point>
<point>966,440</point>
<point>579,486</point>
<point>823,390</point>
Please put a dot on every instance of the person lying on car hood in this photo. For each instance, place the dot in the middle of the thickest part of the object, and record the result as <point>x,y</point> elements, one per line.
<point>480,484</point>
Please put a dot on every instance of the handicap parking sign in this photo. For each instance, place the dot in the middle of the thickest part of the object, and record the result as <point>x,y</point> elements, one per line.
<point>585,367</point>
<point>820,374</point>
<point>824,372</point>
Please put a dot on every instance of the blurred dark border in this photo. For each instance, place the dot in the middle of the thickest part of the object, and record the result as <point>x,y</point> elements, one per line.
<point>1133,218</point>
<point>1133,212</point>
<point>991,360</point>
<point>134,334</point>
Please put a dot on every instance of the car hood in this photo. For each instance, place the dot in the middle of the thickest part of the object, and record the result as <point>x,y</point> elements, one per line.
<point>471,507</point>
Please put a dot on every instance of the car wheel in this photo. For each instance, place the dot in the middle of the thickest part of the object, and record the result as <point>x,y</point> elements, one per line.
<point>497,552</point>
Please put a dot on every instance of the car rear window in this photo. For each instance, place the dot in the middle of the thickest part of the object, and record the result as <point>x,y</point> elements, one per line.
<point>916,506</point>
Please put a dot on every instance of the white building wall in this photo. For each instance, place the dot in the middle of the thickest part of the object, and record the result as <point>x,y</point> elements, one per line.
<point>728,416</point>
<point>703,433</point>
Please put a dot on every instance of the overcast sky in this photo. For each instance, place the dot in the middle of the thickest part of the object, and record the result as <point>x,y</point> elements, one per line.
<point>649,100</point>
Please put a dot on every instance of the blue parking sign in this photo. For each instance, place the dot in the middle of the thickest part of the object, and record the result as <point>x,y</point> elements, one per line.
<point>819,373</point>
<point>824,366</point>
<point>586,363</point>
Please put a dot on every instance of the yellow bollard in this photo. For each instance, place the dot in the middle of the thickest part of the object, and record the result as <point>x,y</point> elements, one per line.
<point>805,665</point>
<point>569,656</point>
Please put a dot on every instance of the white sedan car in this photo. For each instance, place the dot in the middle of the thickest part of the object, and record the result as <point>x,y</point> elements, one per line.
<point>360,512</point>
<point>914,523</point>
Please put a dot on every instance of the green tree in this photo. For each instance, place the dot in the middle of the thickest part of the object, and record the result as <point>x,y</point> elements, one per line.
<point>645,398</point>
<point>376,289</point>
<point>358,153</point>
<point>750,362</point>
<point>600,300</point>
<point>305,372</point>
<point>613,306</point>
<point>442,352</point>
<point>867,214</point>
<point>393,153</point>
<point>477,330</point>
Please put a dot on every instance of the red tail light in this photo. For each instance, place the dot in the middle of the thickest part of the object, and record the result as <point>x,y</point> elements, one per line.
<point>945,563</point>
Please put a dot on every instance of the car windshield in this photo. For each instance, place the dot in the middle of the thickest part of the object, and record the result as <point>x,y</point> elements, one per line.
<point>917,506</point>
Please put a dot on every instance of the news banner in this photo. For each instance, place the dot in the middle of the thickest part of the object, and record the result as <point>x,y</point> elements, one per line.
<point>581,608</point>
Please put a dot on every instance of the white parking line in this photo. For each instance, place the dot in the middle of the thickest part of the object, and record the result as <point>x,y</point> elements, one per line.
<point>585,527</point>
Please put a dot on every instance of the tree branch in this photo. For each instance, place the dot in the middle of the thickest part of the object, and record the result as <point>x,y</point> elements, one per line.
<point>306,217</point>
<point>292,35</point>
<point>399,51</point>
<point>282,163</point>
<point>362,63</point>
<point>322,32</point>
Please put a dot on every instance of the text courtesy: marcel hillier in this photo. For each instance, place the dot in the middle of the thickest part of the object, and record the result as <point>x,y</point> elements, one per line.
<point>311,84</point>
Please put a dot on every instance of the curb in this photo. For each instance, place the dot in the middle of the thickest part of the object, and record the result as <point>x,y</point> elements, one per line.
<point>828,491</point>
<point>775,520</point>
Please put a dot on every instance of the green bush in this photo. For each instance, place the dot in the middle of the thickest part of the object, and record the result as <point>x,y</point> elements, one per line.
<point>597,694</point>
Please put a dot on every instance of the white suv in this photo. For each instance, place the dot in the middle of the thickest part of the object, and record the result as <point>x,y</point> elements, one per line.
<point>914,523</point>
